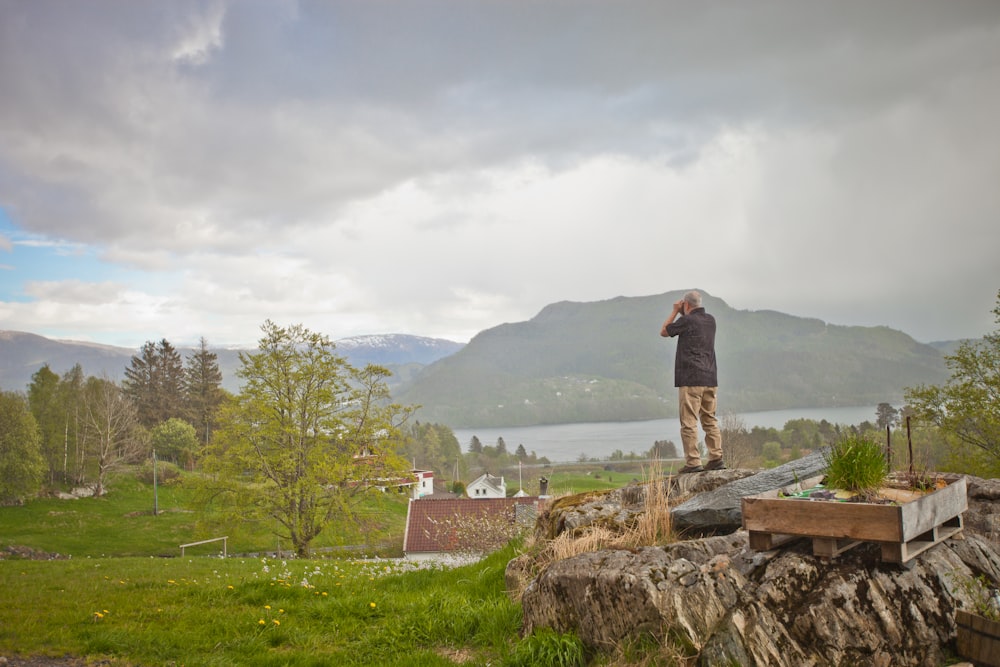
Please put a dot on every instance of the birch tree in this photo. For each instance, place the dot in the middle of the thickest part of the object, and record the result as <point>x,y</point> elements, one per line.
<point>306,438</point>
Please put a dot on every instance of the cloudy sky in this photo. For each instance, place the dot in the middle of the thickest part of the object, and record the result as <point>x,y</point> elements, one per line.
<point>184,169</point>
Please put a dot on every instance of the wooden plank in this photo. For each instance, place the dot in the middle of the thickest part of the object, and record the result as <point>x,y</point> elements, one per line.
<point>934,509</point>
<point>767,541</point>
<point>818,518</point>
<point>824,547</point>
<point>978,638</point>
<point>901,552</point>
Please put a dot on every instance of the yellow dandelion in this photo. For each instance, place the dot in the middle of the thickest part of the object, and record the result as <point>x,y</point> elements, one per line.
<point>229,587</point>
<point>276,622</point>
<point>261,622</point>
<point>324,593</point>
<point>267,606</point>
<point>281,611</point>
<point>371,604</point>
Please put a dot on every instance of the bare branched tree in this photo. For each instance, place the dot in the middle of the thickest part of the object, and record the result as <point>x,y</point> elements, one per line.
<point>112,432</point>
<point>477,534</point>
<point>737,445</point>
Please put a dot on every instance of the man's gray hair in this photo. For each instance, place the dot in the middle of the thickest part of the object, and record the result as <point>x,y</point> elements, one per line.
<point>693,298</point>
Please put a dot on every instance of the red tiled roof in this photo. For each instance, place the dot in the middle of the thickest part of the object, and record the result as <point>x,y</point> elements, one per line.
<point>426,519</point>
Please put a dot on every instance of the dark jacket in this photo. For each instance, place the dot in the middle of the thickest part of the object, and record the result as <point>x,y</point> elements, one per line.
<point>694,363</point>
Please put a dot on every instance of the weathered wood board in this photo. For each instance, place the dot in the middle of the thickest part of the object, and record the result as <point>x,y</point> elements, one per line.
<point>904,530</point>
<point>978,638</point>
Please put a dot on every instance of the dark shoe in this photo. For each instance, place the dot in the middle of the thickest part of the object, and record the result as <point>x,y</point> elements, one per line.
<point>717,464</point>
<point>687,469</point>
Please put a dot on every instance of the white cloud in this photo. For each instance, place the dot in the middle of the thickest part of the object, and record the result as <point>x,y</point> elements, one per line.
<point>438,168</point>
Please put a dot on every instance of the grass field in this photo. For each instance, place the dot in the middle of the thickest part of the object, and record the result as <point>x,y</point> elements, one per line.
<point>113,596</point>
<point>122,523</point>
<point>213,611</point>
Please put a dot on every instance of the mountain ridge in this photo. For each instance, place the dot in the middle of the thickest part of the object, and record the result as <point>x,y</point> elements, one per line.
<point>587,361</point>
<point>605,361</point>
<point>23,353</point>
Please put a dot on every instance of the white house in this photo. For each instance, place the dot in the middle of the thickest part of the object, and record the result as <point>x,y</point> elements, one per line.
<point>424,484</point>
<point>487,486</point>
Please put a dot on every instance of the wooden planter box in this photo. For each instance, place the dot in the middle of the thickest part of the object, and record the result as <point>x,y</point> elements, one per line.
<point>978,638</point>
<point>904,530</point>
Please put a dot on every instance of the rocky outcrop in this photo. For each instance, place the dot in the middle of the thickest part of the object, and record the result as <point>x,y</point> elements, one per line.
<point>617,507</point>
<point>730,605</point>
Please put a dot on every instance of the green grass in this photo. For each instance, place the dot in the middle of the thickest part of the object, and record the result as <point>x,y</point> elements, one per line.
<point>117,600</point>
<point>211,611</point>
<point>580,478</point>
<point>122,524</point>
<point>857,464</point>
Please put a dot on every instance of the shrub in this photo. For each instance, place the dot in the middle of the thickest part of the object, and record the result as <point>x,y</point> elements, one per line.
<point>165,472</point>
<point>772,451</point>
<point>856,463</point>
<point>981,590</point>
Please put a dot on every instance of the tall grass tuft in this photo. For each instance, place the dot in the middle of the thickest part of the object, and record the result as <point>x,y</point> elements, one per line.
<point>856,463</point>
<point>548,647</point>
<point>651,527</point>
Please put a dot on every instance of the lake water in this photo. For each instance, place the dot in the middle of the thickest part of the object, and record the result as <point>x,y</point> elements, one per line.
<point>566,442</point>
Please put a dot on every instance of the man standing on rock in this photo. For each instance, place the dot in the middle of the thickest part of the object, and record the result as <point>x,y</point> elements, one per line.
<point>696,379</point>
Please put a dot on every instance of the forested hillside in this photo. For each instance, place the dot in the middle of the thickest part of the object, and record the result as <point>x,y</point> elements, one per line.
<point>605,361</point>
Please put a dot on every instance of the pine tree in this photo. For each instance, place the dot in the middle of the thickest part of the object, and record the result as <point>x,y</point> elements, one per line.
<point>203,390</point>
<point>154,381</point>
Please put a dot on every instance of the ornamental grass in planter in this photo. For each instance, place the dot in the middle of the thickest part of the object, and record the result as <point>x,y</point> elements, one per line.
<point>858,465</point>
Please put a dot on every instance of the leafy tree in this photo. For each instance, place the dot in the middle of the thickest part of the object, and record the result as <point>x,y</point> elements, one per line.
<point>43,401</point>
<point>305,438</point>
<point>175,440</point>
<point>112,434</point>
<point>21,464</point>
<point>431,446</point>
<point>55,403</point>
<point>154,381</point>
<point>772,454</point>
<point>966,407</point>
<point>663,449</point>
<point>800,433</point>
<point>71,398</point>
<point>203,391</point>
<point>886,416</point>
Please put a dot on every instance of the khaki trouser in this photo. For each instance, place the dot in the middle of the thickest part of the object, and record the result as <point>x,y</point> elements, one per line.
<point>699,403</point>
